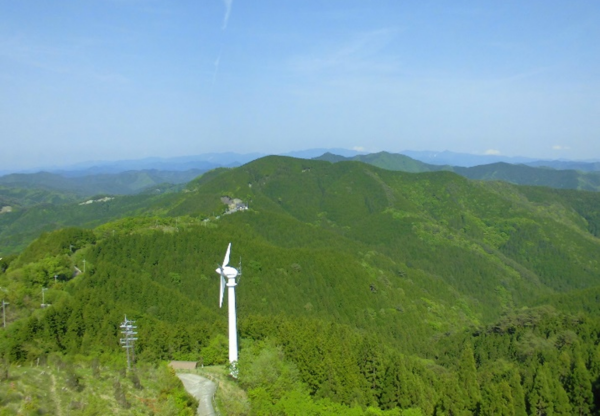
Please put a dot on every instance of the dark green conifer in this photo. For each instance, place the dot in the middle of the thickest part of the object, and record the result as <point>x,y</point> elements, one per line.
<point>580,388</point>
<point>517,394</point>
<point>372,368</point>
<point>540,398</point>
<point>467,376</point>
<point>497,399</point>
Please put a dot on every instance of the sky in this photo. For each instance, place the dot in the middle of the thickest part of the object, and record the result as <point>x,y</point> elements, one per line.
<point>129,79</point>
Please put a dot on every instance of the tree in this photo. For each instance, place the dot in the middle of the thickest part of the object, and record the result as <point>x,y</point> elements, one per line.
<point>580,389</point>
<point>518,396</point>
<point>372,367</point>
<point>467,377</point>
<point>497,399</point>
<point>540,398</point>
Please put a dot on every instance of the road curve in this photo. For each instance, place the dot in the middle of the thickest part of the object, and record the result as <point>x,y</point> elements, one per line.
<point>202,389</point>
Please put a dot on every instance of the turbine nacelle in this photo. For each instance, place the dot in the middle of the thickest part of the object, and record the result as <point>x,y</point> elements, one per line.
<point>227,271</point>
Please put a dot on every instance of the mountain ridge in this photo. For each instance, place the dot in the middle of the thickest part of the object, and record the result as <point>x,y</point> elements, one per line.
<point>371,289</point>
<point>514,173</point>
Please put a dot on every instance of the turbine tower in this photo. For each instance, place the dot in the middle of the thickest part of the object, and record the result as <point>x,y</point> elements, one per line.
<point>226,271</point>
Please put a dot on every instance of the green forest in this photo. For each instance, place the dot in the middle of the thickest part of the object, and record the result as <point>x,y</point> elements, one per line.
<point>364,291</point>
<point>564,176</point>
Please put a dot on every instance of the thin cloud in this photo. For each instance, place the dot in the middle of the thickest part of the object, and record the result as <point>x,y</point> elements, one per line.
<point>228,4</point>
<point>217,62</point>
<point>559,147</point>
<point>533,73</point>
<point>361,53</point>
<point>61,59</point>
<point>493,152</point>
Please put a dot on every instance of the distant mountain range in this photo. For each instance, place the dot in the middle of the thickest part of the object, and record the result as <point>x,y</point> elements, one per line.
<point>208,161</point>
<point>203,162</point>
<point>463,159</point>
<point>158,175</point>
<point>519,174</point>
<point>469,160</point>
<point>567,164</point>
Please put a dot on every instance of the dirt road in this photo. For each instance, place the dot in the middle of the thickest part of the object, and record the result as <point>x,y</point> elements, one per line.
<point>202,389</point>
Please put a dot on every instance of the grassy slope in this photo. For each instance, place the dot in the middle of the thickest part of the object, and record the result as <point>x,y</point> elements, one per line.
<point>88,387</point>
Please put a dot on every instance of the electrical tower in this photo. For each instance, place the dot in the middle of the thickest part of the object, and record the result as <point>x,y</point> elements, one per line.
<point>127,342</point>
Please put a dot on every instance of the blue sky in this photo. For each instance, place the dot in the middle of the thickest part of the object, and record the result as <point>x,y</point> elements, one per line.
<point>127,79</point>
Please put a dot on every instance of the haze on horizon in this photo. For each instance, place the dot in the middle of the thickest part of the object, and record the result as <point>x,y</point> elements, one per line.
<point>130,79</point>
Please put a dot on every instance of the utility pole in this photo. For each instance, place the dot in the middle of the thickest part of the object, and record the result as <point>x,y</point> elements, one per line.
<point>4,303</point>
<point>43,297</point>
<point>84,265</point>
<point>4,312</point>
<point>127,342</point>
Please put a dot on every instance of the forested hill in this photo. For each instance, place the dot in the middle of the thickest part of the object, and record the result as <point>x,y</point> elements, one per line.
<point>361,287</point>
<point>21,225</point>
<point>124,183</point>
<point>527,175</point>
<point>385,160</point>
<point>519,174</point>
<point>33,203</point>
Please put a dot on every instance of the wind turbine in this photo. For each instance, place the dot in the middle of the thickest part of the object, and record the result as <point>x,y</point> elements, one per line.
<point>226,271</point>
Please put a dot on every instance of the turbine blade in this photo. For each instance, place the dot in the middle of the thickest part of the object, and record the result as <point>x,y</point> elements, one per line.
<point>226,259</point>
<point>222,291</point>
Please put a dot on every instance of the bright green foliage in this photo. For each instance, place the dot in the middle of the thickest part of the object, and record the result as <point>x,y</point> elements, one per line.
<point>580,387</point>
<point>467,377</point>
<point>172,393</point>
<point>498,399</point>
<point>265,373</point>
<point>541,396</point>
<point>363,291</point>
<point>274,386</point>
<point>62,242</point>
<point>22,226</point>
<point>372,365</point>
<point>518,174</point>
<point>518,397</point>
<point>216,352</point>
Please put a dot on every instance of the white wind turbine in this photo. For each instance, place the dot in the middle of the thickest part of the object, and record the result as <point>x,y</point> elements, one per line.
<point>226,271</point>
